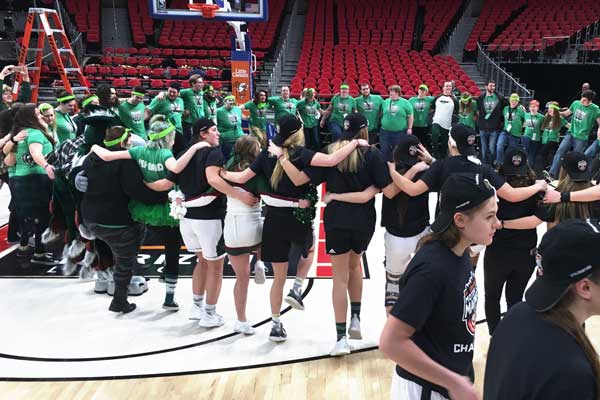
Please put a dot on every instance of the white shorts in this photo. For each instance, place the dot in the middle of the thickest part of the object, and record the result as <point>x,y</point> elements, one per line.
<point>400,250</point>
<point>203,236</point>
<point>403,389</point>
<point>243,230</point>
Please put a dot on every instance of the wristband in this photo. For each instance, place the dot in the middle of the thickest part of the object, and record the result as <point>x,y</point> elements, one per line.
<point>12,139</point>
<point>565,197</point>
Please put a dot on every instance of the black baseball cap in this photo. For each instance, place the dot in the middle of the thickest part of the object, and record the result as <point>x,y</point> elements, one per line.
<point>515,162</point>
<point>406,151</point>
<point>460,192</point>
<point>568,253</point>
<point>465,138</point>
<point>288,125</point>
<point>576,165</point>
<point>353,123</point>
<point>201,125</point>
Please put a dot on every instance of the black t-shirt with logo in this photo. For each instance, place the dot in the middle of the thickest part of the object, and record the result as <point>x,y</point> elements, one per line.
<point>440,170</point>
<point>341,215</point>
<point>438,297</point>
<point>534,359</point>
<point>415,218</point>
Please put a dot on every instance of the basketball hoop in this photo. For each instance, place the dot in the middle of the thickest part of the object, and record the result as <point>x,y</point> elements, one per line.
<point>207,10</point>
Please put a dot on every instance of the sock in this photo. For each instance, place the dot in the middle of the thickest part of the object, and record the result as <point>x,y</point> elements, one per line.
<point>199,300</point>
<point>340,329</point>
<point>298,284</point>
<point>355,309</point>
<point>275,319</point>
<point>210,309</point>
<point>171,283</point>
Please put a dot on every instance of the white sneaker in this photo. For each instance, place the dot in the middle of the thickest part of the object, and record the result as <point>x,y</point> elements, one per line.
<point>243,327</point>
<point>354,330</point>
<point>211,321</point>
<point>89,257</point>
<point>86,273</point>
<point>259,272</point>
<point>76,248</point>
<point>85,233</point>
<point>49,236</point>
<point>102,279</point>
<point>341,348</point>
<point>196,312</point>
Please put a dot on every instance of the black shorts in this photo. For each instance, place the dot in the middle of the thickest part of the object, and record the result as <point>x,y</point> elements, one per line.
<point>279,232</point>
<point>341,241</point>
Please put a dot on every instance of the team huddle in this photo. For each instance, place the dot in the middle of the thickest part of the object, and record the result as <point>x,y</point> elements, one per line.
<point>182,169</point>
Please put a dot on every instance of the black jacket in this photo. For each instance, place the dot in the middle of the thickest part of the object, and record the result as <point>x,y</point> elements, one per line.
<point>110,187</point>
<point>495,121</point>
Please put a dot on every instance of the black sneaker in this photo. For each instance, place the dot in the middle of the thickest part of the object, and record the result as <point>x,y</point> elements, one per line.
<point>294,299</point>
<point>121,306</point>
<point>44,259</point>
<point>25,253</point>
<point>173,306</point>
<point>278,333</point>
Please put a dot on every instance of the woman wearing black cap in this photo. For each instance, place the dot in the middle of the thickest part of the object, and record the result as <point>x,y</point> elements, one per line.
<point>284,227</point>
<point>430,333</point>
<point>540,350</point>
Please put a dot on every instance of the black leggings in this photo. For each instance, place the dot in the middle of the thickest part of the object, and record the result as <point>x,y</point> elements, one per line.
<point>544,157</point>
<point>171,238</point>
<point>33,227</point>
<point>505,265</point>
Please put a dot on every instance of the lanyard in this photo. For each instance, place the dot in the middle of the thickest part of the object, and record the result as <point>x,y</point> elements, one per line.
<point>71,123</point>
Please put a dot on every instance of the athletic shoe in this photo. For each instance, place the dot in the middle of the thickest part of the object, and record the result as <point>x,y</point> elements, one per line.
<point>45,259</point>
<point>76,248</point>
<point>211,321</point>
<point>68,266</point>
<point>259,272</point>
<point>137,286</point>
<point>89,257</point>
<point>294,299</point>
<point>121,306</point>
<point>85,233</point>
<point>25,253</point>
<point>49,236</point>
<point>171,306</point>
<point>244,327</point>
<point>196,312</point>
<point>341,348</point>
<point>354,329</point>
<point>278,333</point>
<point>86,273</point>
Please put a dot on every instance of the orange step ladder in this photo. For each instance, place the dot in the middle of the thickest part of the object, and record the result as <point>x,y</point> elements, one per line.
<point>45,17</point>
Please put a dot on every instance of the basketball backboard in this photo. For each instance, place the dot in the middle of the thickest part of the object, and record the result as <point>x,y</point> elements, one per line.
<point>232,10</point>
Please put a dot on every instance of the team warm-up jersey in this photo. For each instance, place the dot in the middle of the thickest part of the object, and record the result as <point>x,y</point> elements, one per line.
<point>370,108</point>
<point>258,114</point>
<point>65,126</point>
<point>440,170</point>
<point>229,123</point>
<point>340,107</point>
<point>172,109</point>
<point>583,119</point>
<point>413,220</point>
<point>444,106</point>
<point>513,120</point>
<point>309,112</point>
<point>421,108</point>
<point>534,359</point>
<point>395,114</point>
<point>373,171</point>
<point>133,118</point>
<point>533,125</point>
<point>282,107</point>
<point>193,102</point>
<point>438,298</point>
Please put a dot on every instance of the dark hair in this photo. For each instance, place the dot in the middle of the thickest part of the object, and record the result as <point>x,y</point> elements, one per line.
<point>6,122</point>
<point>194,78</point>
<point>139,89</point>
<point>490,81</point>
<point>113,133</point>
<point>174,85</point>
<point>64,93</point>
<point>103,93</point>
<point>27,118</point>
<point>589,94</point>
<point>87,107</point>
<point>519,181</point>
<point>257,95</point>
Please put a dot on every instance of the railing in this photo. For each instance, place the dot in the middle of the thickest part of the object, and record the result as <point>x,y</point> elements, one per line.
<point>275,76</point>
<point>505,83</point>
<point>568,54</point>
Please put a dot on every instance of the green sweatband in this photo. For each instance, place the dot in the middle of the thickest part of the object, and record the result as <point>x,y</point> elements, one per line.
<point>230,97</point>
<point>344,87</point>
<point>465,99</point>
<point>138,94</point>
<point>310,90</point>
<point>110,143</point>
<point>424,87</point>
<point>65,98</point>
<point>514,97</point>
<point>44,107</point>
<point>87,101</point>
<point>555,107</point>
<point>161,134</point>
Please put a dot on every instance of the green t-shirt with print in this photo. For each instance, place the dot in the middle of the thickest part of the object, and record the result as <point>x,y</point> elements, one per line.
<point>489,103</point>
<point>533,126</point>
<point>553,135</point>
<point>258,114</point>
<point>421,108</point>
<point>513,120</point>
<point>340,107</point>
<point>282,107</point>
<point>370,108</point>
<point>132,117</point>
<point>467,117</point>
<point>172,109</point>
<point>395,114</point>
<point>151,162</point>
<point>65,126</point>
<point>582,120</point>
<point>30,167</point>
<point>309,112</point>
<point>193,102</point>
<point>229,123</point>
<point>210,110</point>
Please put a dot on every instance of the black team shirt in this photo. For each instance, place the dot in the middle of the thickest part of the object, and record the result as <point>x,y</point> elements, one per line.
<point>415,218</point>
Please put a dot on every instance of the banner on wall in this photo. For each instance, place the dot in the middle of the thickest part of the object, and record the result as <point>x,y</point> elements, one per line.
<point>240,81</point>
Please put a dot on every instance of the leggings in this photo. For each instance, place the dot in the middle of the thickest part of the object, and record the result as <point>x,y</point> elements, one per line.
<point>544,157</point>
<point>34,227</point>
<point>171,238</point>
<point>439,141</point>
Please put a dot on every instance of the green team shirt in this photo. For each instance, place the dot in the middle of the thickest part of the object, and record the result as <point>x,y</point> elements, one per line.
<point>193,102</point>
<point>229,123</point>
<point>210,110</point>
<point>258,114</point>
<point>309,112</point>
<point>282,107</point>
<point>513,120</point>
<point>553,135</point>
<point>370,108</point>
<point>151,162</point>
<point>340,107</point>
<point>468,118</point>
<point>65,126</point>
<point>172,109</point>
<point>583,119</point>
<point>395,113</point>
<point>23,168</point>
<point>533,126</point>
<point>133,118</point>
<point>421,108</point>
<point>489,103</point>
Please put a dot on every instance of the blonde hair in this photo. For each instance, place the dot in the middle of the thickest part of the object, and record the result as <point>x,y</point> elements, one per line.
<point>159,123</point>
<point>296,140</point>
<point>571,210</point>
<point>355,160</point>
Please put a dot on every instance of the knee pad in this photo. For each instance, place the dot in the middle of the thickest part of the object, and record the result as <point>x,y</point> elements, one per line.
<point>392,288</point>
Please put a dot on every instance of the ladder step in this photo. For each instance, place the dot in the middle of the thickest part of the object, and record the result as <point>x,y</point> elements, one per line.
<point>82,88</point>
<point>34,49</point>
<point>32,68</point>
<point>72,69</point>
<point>64,50</point>
<point>39,10</point>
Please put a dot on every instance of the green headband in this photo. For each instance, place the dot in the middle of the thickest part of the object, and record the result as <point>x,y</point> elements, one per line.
<point>555,107</point>
<point>138,94</point>
<point>514,97</point>
<point>344,87</point>
<point>424,87</point>
<point>87,101</point>
<point>110,143</point>
<point>65,98</point>
<point>161,134</point>
<point>310,90</point>
<point>44,106</point>
<point>465,99</point>
<point>208,88</point>
<point>230,97</point>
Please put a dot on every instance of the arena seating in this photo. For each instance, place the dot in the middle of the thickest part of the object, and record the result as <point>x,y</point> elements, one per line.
<point>439,17</point>
<point>590,51</point>
<point>142,25</point>
<point>87,17</point>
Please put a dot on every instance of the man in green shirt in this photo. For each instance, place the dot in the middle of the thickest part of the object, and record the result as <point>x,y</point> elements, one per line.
<point>421,105</point>
<point>584,113</point>
<point>229,124</point>
<point>132,112</point>
<point>258,116</point>
<point>308,108</point>
<point>283,105</point>
<point>193,104</point>
<point>340,106</point>
<point>514,116</point>
<point>171,106</point>
<point>396,120</point>
<point>369,105</point>
<point>24,93</point>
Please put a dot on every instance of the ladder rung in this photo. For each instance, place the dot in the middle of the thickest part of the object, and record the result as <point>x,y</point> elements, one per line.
<point>80,88</point>
<point>34,49</point>
<point>40,10</point>
<point>64,50</point>
<point>56,31</point>
<point>32,68</point>
<point>72,69</point>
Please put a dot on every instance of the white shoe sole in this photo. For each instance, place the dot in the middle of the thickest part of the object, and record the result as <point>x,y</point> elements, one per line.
<point>293,303</point>
<point>247,333</point>
<point>277,339</point>
<point>354,334</point>
<point>340,353</point>
<point>205,324</point>
<point>170,308</point>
